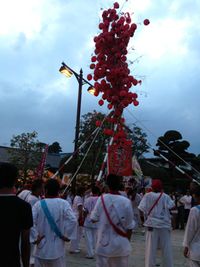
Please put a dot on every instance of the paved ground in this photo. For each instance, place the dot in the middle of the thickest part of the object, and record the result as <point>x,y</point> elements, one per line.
<point>137,257</point>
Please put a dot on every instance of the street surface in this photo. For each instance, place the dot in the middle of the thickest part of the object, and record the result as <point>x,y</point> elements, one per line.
<point>137,256</point>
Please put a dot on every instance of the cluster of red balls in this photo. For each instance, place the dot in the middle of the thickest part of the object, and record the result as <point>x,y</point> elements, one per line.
<point>110,68</point>
<point>120,134</point>
<point>109,64</point>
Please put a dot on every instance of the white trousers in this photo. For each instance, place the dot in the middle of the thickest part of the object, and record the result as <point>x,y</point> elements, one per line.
<point>162,238</point>
<point>75,243</point>
<point>60,262</point>
<point>194,263</point>
<point>102,261</point>
<point>90,239</point>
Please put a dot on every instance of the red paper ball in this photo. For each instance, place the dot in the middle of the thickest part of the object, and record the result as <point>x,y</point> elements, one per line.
<point>146,22</point>
<point>93,59</point>
<point>98,123</point>
<point>92,66</point>
<point>89,77</point>
<point>116,5</point>
<point>110,106</point>
<point>135,103</point>
<point>101,102</point>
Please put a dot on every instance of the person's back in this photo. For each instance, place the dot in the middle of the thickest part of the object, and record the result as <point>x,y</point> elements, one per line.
<point>191,240</point>
<point>51,245</point>
<point>16,220</point>
<point>155,208</point>
<point>109,243</point>
<point>160,216</point>
<point>115,216</point>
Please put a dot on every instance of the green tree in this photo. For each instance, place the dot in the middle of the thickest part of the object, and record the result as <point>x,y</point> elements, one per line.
<point>54,148</point>
<point>97,152</point>
<point>25,152</point>
<point>173,147</point>
<point>140,143</point>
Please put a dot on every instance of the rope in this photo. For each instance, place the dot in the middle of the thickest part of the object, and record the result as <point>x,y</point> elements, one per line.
<point>99,128</point>
<point>163,143</point>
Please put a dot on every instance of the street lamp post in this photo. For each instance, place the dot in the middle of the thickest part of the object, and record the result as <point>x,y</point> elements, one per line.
<point>67,71</point>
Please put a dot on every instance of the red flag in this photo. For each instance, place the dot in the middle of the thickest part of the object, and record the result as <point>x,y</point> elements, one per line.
<point>40,169</point>
<point>120,159</point>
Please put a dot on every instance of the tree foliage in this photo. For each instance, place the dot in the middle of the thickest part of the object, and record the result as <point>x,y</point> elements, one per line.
<point>54,148</point>
<point>140,143</point>
<point>173,147</point>
<point>25,152</point>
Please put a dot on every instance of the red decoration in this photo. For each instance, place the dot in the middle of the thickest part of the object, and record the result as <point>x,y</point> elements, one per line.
<point>101,102</point>
<point>116,5</point>
<point>120,159</point>
<point>146,22</point>
<point>89,77</point>
<point>98,123</point>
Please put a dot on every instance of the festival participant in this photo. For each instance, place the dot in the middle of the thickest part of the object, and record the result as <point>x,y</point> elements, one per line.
<point>77,208</point>
<point>155,207</point>
<point>55,224</point>
<point>16,221</point>
<point>32,196</point>
<point>191,240</point>
<point>135,199</point>
<point>90,228</point>
<point>187,202</point>
<point>115,217</point>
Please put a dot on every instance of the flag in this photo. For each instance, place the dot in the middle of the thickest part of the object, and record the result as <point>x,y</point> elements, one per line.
<point>136,168</point>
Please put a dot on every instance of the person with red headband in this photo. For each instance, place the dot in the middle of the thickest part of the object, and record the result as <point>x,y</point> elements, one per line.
<point>155,208</point>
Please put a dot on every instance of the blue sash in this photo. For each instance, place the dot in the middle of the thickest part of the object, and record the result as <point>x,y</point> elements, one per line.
<point>50,219</point>
<point>198,207</point>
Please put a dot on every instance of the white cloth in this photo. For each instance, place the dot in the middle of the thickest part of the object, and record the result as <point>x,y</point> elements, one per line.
<point>75,243</point>
<point>60,262</point>
<point>187,201</point>
<point>162,238</point>
<point>109,243</point>
<point>90,239</point>
<point>192,234</point>
<point>111,262</point>
<point>78,201</point>
<point>89,205</point>
<point>28,197</point>
<point>135,203</point>
<point>160,216</point>
<point>51,246</point>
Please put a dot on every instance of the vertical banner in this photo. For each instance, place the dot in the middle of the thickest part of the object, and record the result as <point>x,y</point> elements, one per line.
<point>120,159</point>
<point>40,169</point>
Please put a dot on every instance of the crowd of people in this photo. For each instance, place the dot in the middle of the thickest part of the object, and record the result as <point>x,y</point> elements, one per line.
<point>36,223</point>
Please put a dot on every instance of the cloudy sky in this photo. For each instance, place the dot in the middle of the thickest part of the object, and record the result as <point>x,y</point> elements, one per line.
<point>37,35</point>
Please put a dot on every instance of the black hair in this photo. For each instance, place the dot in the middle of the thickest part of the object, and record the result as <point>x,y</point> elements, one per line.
<point>8,175</point>
<point>80,191</point>
<point>52,187</point>
<point>197,191</point>
<point>95,190</point>
<point>37,183</point>
<point>114,181</point>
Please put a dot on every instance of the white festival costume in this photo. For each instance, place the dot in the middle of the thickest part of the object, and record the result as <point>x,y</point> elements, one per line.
<point>160,220</point>
<point>90,228</point>
<point>75,243</point>
<point>192,236</point>
<point>51,246</point>
<point>27,196</point>
<point>109,243</point>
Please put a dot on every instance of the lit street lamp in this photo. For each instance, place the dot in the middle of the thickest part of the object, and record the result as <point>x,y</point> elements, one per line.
<point>68,72</point>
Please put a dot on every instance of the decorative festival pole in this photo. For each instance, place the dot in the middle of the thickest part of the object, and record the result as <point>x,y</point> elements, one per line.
<point>40,170</point>
<point>112,78</point>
